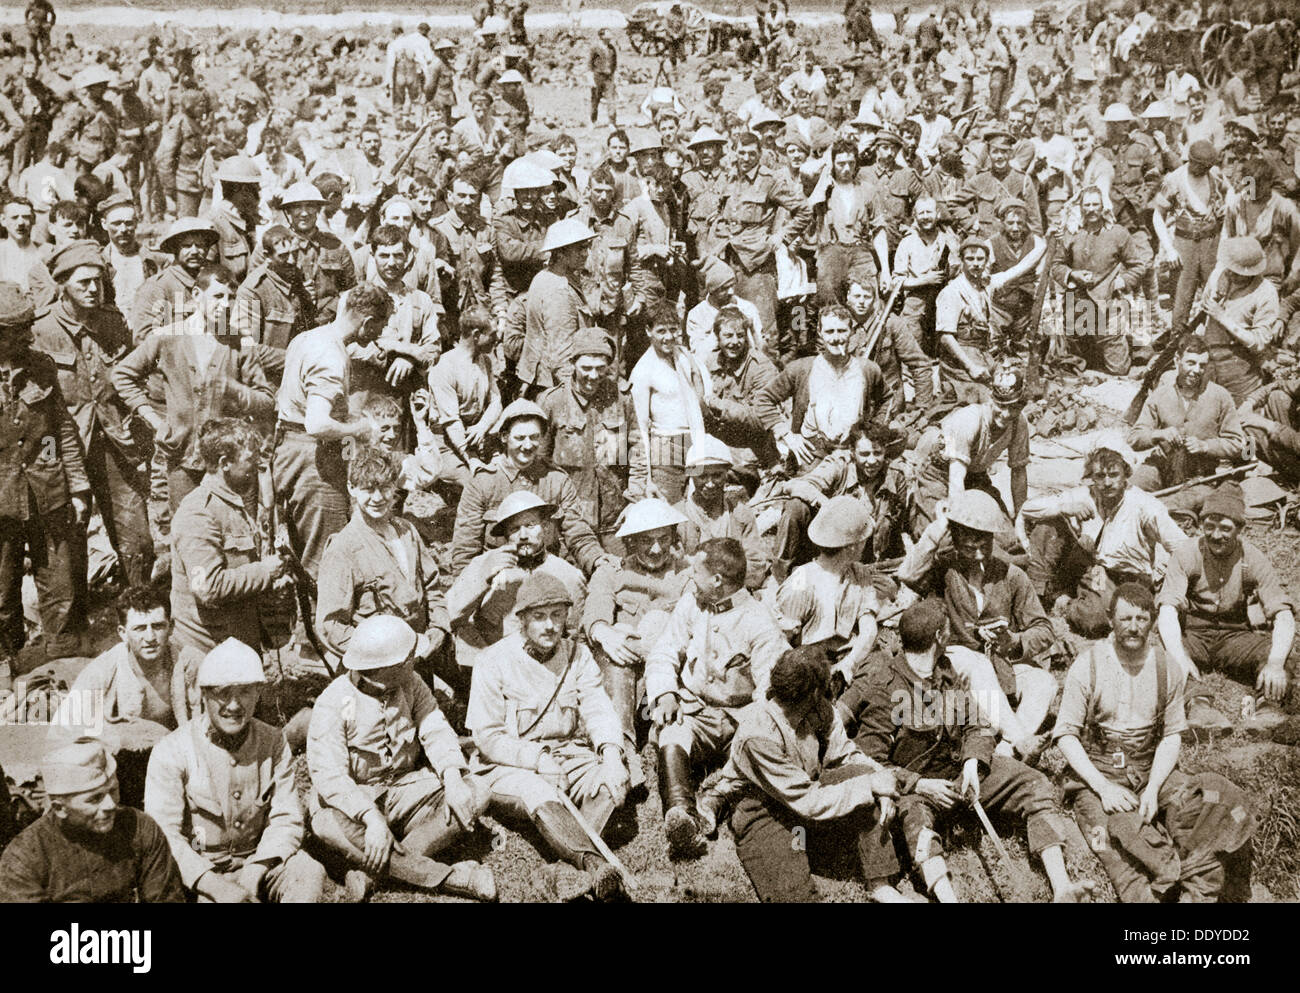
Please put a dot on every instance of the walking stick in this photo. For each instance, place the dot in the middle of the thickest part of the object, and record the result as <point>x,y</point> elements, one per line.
<point>630,883</point>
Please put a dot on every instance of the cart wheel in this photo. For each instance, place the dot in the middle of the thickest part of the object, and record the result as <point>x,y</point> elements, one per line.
<point>1213,42</point>
<point>655,45</point>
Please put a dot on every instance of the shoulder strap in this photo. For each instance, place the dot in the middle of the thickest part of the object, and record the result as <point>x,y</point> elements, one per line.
<point>1162,692</point>
<point>571,649</point>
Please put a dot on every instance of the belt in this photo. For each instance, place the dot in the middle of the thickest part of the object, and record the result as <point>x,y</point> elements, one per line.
<point>1199,230</point>
<point>288,426</point>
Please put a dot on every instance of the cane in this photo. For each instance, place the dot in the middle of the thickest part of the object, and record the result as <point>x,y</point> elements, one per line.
<point>630,883</point>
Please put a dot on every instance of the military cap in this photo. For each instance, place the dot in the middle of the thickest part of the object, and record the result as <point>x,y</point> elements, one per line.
<point>1012,203</point>
<point>716,272</point>
<point>73,255</point>
<point>974,241</point>
<point>1244,256</point>
<point>1118,113</point>
<point>516,410</point>
<point>888,136</point>
<point>997,136</point>
<point>231,663</point>
<point>519,502</point>
<point>649,514</point>
<point>842,521</point>
<point>239,169</point>
<point>706,136</point>
<point>511,76</point>
<point>1157,109</point>
<point>569,231</point>
<point>301,192</point>
<point>765,117</point>
<point>707,453</point>
<point>796,139</point>
<point>592,341</point>
<point>382,640</point>
<point>77,767</point>
<point>541,589</point>
<point>442,44</point>
<point>16,307</point>
<point>188,225</point>
<point>524,175</point>
<point>92,76</point>
<point>111,203</point>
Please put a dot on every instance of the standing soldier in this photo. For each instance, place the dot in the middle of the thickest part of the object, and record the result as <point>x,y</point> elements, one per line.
<point>603,65</point>
<point>1000,181</point>
<point>759,211</point>
<point>91,117</point>
<point>179,159</point>
<point>556,309</point>
<point>440,91</point>
<point>325,262</point>
<point>463,243</point>
<point>168,296</point>
<point>519,226</point>
<point>616,278</point>
<point>1137,167</point>
<point>235,215</point>
<point>86,340</point>
<point>273,306</point>
<point>591,422</point>
<point>43,489</point>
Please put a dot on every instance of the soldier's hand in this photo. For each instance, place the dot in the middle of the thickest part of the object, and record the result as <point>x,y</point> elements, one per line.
<point>1149,805</point>
<point>667,710</point>
<point>613,776</point>
<point>940,792</point>
<point>459,798</point>
<point>1115,798</point>
<point>614,643</point>
<point>398,371</point>
<point>497,560</point>
<point>378,843</point>
<point>220,888</point>
<point>80,509</point>
<point>1272,680</point>
<point>152,419</point>
<point>277,563</point>
<point>475,434</point>
<point>551,771</point>
<point>801,448</point>
<point>970,779</point>
<point>251,876</point>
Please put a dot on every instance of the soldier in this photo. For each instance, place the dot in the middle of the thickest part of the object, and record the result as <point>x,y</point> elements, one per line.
<point>1120,727</point>
<point>415,791</point>
<point>709,513</point>
<point>21,258</point>
<point>896,350</point>
<point>711,661</point>
<point>1137,167</point>
<point>1097,264</point>
<point>993,186</point>
<point>841,220</point>
<point>706,184</point>
<point>758,212</point>
<point>542,723</point>
<point>1188,219</point>
<point>440,89</point>
<point>483,138</point>
<point>273,305</point>
<point>185,141</point>
<point>522,465</point>
<point>617,287</point>
<point>168,296</point>
<point>235,214</point>
<point>86,339</point>
<point>221,788</point>
<point>222,569</point>
<point>324,260</point>
<point>519,227</point>
<point>925,260</point>
<point>463,243</point>
<point>739,373</point>
<point>1243,317</point>
<point>602,64</point>
<point>377,564</point>
<point>592,439</point>
<point>482,599</point>
<point>87,848</point>
<point>46,492</point>
<point>943,753</point>
<point>129,262</point>
<point>556,309</point>
<point>91,117</point>
<point>312,407</point>
<point>1015,247</point>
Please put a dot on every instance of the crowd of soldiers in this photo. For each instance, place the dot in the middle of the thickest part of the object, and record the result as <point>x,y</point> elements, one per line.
<point>716,412</point>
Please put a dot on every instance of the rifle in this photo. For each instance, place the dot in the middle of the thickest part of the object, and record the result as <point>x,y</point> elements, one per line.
<point>304,587</point>
<point>878,325</point>
<point>456,451</point>
<point>410,149</point>
<point>1213,477</point>
<point>1161,364</point>
<point>1034,373</point>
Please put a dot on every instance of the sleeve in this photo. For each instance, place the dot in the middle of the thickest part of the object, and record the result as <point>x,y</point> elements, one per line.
<point>486,717</point>
<point>467,535</point>
<point>959,432</point>
<point>1073,712</point>
<point>1230,440</point>
<point>876,726</point>
<point>512,249</point>
<point>323,377</point>
<point>130,373</point>
<point>199,543</point>
<point>440,742</point>
<point>252,392</point>
<point>1035,632</point>
<point>445,402</point>
<point>1162,527</point>
<point>765,762</point>
<point>598,715</point>
<point>947,309</point>
<point>1184,563</point>
<point>247,317</point>
<point>1272,594</point>
<point>435,602</point>
<point>798,211</point>
<point>327,760</point>
<point>794,604</point>
<point>1260,323</point>
<point>1142,434</point>
<point>758,555</point>
<point>663,664</point>
<point>768,645</point>
<point>578,535</point>
<point>600,605</point>
<point>70,451</point>
<point>159,880</point>
<point>23,877</point>
<point>336,586</point>
<point>164,801</point>
<point>1018,449</point>
<point>770,399</point>
<point>1075,502</point>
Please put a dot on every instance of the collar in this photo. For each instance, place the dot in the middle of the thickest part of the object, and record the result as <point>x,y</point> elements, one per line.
<point>719,606</point>
<point>218,487</point>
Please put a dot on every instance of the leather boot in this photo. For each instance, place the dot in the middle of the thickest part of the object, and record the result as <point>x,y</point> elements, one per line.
<point>563,834</point>
<point>678,800</point>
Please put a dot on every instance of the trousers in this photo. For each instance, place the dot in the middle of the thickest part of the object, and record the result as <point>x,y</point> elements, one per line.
<point>48,541</point>
<point>298,879</point>
<point>778,848</point>
<point>312,478</point>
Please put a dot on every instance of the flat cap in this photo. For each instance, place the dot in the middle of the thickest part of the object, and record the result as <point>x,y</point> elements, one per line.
<point>541,589</point>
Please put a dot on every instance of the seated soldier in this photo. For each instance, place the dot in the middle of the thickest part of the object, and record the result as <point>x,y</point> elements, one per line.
<point>862,471</point>
<point>628,605</point>
<point>794,766</point>
<point>993,611</point>
<point>126,696</point>
<point>221,788</point>
<point>542,724</point>
<point>710,662</point>
<point>832,601</point>
<point>709,513</point>
<point>1191,422</point>
<point>1205,602</point>
<point>896,351</point>
<point>1085,541</point>
<point>377,564</point>
<point>482,599</point>
<point>739,372</point>
<point>1160,833</point>
<point>829,393</point>
<point>87,848</point>
<point>386,767</point>
<point>1271,419</point>
<point>462,402</point>
<point>929,747</point>
<point>959,455</point>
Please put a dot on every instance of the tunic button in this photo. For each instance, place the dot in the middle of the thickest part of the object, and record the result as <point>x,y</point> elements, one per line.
<point>234,762</point>
<point>239,824</point>
<point>236,794</point>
